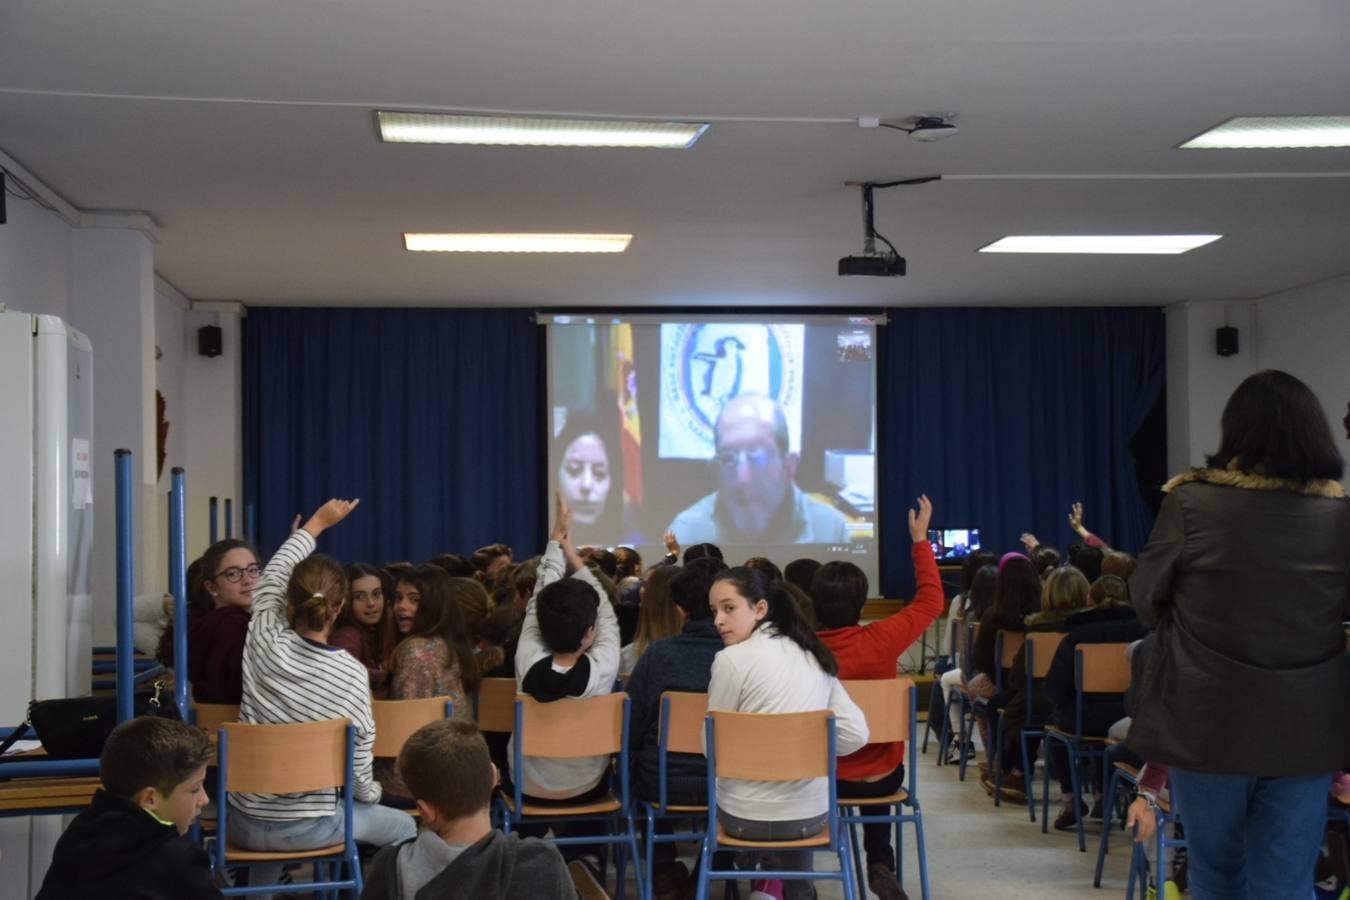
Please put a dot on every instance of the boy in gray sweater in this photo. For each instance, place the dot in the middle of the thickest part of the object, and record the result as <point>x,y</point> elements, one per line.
<point>457,853</point>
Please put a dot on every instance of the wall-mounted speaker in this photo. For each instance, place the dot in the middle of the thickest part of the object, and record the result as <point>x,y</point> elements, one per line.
<point>210,340</point>
<point>1226,340</point>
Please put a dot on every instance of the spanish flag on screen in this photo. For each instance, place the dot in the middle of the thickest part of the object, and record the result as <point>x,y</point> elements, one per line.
<point>630,425</point>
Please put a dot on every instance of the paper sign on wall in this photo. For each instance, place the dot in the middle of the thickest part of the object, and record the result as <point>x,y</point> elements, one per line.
<point>81,482</point>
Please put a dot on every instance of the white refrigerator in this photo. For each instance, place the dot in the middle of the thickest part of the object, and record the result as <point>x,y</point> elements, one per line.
<point>46,528</point>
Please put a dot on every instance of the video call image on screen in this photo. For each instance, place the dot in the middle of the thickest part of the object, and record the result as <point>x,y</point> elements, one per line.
<point>755,435</point>
<point>954,543</point>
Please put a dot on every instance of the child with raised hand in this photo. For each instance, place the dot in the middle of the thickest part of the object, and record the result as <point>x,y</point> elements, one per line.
<point>775,663</point>
<point>129,842</point>
<point>838,591</point>
<point>458,853</point>
<point>569,647</point>
<point>292,674</point>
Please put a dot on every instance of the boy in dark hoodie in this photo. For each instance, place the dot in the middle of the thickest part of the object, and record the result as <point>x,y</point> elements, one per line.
<point>129,842</point>
<point>446,767</point>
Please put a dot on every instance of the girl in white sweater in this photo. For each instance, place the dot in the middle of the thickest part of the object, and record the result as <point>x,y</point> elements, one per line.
<point>775,663</point>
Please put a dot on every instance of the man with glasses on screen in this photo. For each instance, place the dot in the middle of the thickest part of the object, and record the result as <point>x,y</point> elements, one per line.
<point>756,500</point>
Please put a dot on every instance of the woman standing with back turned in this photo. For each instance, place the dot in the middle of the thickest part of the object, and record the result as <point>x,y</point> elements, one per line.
<point>1242,686</point>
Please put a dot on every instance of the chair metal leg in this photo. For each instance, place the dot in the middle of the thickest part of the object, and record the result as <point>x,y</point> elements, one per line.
<point>851,888</point>
<point>923,853</point>
<point>996,760</point>
<point>1026,774</point>
<point>1108,821</point>
<point>1077,782</point>
<point>965,739</point>
<point>856,848</point>
<point>1045,789</point>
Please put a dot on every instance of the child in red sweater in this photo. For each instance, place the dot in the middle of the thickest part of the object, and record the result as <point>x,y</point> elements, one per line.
<point>838,592</point>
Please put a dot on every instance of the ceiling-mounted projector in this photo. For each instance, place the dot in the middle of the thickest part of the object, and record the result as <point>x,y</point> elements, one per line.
<point>878,264</point>
<point>870,262</point>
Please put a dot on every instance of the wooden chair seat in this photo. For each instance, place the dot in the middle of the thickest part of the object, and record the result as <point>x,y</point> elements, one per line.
<point>1128,770</point>
<point>682,808</point>
<point>887,800</point>
<point>47,793</point>
<point>819,839</point>
<point>607,803</point>
<point>1086,739</point>
<point>235,854</point>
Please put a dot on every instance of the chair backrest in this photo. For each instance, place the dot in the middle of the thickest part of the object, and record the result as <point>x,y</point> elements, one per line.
<point>682,721</point>
<point>1041,651</point>
<point>285,759</point>
<point>396,720</point>
<point>885,705</point>
<point>1101,668</point>
<point>210,716</point>
<point>571,728</point>
<point>771,746</point>
<point>495,705</point>
<point>966,636</point>
<point>1009,643</point>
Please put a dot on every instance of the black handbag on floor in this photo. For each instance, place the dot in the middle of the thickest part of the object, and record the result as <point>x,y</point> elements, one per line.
<point>76,728</point>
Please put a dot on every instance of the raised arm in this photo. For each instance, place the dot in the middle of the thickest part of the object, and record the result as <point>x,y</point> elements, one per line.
<point>898,631</point>
<point>1076,523</point>
<point>552,566</point>
<point>269,594</point>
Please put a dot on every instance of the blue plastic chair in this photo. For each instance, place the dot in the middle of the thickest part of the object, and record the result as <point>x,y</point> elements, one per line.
<point>679,731</point>
<point>935,699</point>
<point>965,718</point>
<point>1166,816</point>
<point>572,729</point>
<point>285,759</point>
<point>1039,652</point>
<point>888,705</point>
<point>1097,669</point>
<point>1116,773</point>
<point>1006,645</point>
<point>773,747</point>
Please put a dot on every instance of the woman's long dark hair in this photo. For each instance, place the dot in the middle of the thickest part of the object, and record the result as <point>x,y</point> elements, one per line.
<point>1274,425</point>
<point>1017,593</point>
<point>384,633</point>
<point>439,616</point>
<point>980,597</point>
<point>785,613</point>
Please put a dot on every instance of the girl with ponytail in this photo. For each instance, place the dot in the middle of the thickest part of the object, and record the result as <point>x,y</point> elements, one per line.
<point>774,662</point>
<point>293,674</point>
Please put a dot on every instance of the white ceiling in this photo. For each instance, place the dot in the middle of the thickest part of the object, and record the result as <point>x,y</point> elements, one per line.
<point>245,128</point>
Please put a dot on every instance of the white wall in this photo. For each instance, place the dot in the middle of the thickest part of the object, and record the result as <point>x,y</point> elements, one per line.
<point>1306,332</point>
<point>34,260</point>
<point>214,411</point>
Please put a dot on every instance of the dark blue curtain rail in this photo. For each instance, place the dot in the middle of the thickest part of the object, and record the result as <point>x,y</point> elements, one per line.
<point>1002,416</point>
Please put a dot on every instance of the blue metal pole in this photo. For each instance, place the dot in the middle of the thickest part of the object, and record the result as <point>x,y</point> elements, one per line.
<point>211,511</point>
<point>229,518</point>
<point>251,524</point>
<point>178,587</point>
<point>125,521</point>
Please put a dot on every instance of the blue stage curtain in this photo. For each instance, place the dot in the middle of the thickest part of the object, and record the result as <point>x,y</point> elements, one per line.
<point>1004,417</point>
<point>430,416</point>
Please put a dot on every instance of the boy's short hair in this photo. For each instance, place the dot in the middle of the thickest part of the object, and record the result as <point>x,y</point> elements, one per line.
<point>838,592</point>
<point>565,609</point>
<point>689,589</point>
<point>702,551</point>
<point>446,765</point>
<point>152,752</point>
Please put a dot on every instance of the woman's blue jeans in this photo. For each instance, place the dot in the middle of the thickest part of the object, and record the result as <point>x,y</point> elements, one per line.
<point>1249,837</point>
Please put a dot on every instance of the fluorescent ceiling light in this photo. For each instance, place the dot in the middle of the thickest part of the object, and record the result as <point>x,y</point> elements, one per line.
<point>1274,133</point>
<point>517,243</point>
<point>437,128</point>
<point>1100,243</point>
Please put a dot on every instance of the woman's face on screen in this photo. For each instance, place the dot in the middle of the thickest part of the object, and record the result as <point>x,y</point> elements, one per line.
<point>583,477</point>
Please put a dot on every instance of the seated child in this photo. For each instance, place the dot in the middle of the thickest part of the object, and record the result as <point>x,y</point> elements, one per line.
<point>839,591</point>
<point>458,853</point>
<point>129,842</point>
<point>569,647</point>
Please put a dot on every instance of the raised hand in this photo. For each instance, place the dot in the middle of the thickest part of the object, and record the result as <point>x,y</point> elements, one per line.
<point>562,518</point>
<point>672,545</point>
<point>295,523</point>
<point>1076,518</point>
<point>328,515</point>
<point>918,521</point>
<point>1029,541</point>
